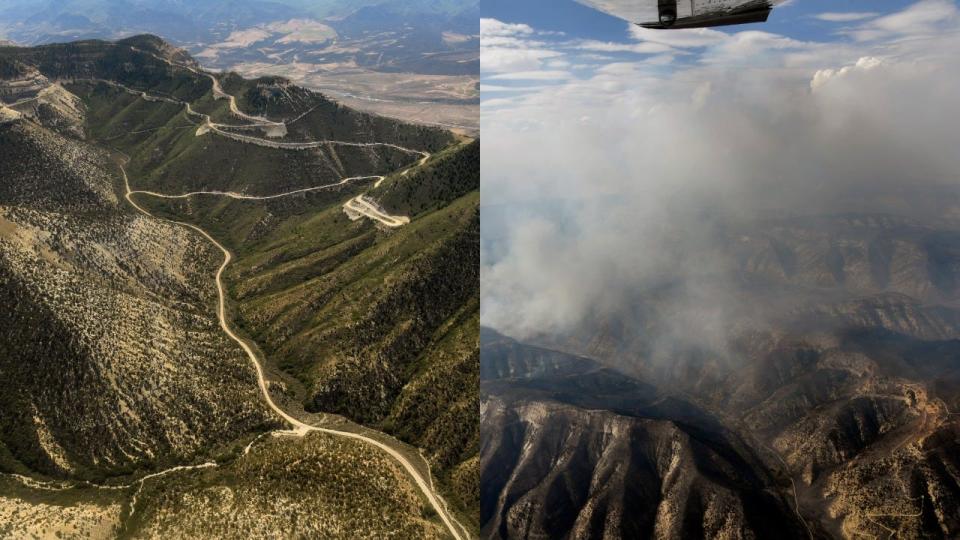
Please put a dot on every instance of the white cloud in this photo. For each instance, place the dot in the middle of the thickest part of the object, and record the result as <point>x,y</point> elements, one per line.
<point>490,28</point>
<point>744,47</point>
<point>822,76</point>
<point>924,17</point>
<point>849,16</point>
<point>694,38</point>
<point>499,89</point>
<point>625,160</point>
<point>554,75</point>
<point>508,47</point>
<point>647,47</point>
<point>498,102</point>
<point>500,60</point>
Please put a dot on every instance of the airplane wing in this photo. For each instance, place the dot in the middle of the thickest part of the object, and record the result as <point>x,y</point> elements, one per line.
<point>665,14</point>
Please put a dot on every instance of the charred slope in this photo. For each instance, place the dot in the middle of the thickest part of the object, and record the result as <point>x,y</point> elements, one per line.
<point>574,450</point>
<point>836,350</point>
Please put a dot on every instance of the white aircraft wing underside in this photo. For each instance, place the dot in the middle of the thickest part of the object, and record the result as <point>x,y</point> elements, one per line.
<point>688,13</point>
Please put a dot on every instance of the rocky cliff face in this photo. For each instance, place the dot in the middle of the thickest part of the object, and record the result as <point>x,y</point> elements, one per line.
<point>860,254</point>
<point>571,450</point>
<point>576,473</point>
<point>25,92</point>
<point>20,81</point>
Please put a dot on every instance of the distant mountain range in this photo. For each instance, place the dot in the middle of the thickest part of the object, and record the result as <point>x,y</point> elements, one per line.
<point>388,57</point>
<point>29,22</point>
<point>222,26</point>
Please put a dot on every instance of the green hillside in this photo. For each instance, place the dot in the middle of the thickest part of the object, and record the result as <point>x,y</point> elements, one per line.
<point>375,324</point>
<point>380,326</point>
<point>449,175</point>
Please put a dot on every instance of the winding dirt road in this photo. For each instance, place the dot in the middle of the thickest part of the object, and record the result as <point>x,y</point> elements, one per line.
<point>218,93</point>
<point>257,121</point>
<point>241,196</point>
<point>299,428</point>
<point>209,125</point>
<point>358,206</point>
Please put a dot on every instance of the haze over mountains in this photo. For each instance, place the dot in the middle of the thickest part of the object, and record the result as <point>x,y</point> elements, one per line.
<point>414,60</point>
<point>202,340</point>
<point>31,23</point>
<point>725,285</point>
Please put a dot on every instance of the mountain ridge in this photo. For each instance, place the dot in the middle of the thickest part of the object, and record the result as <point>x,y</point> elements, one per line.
<point>145,104</point>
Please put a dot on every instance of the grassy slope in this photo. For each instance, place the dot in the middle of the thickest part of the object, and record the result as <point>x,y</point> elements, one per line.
<point>276,98</point>
<point>380,326</point>
<point>448,175</point>
<point>175,158</point>
<point>167,156</point>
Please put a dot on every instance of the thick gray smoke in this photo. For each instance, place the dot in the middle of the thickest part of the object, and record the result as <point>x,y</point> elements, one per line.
<point>601,187</point>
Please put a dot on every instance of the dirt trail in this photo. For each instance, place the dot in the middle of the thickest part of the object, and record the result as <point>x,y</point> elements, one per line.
<point>218,93</point>
<point>793,486</point>
<point>359,206</point>
<point>241,196</point>
<point>300,428</point>
<point>209,125</point>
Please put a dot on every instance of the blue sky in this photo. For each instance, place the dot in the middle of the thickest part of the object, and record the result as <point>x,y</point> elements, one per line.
<point>581,39</point>
<point>796,19</point>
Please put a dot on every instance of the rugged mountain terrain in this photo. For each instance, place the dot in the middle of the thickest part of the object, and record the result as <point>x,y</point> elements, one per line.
<point>828,346</point>
<point>572,449</point>
<point>375,324</point>
<point>418,60</point>
<point>115,363</point>
<point>211,21</point>
<point>123,328</point>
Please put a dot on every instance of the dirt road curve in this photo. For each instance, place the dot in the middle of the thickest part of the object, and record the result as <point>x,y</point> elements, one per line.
<point>358,206</point>
<point>218,93</point>
<point>241,196</point>
<point>208,125</point>
<point>299,428</point>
